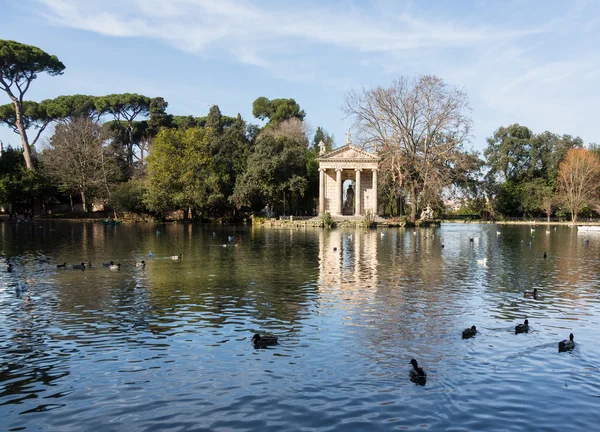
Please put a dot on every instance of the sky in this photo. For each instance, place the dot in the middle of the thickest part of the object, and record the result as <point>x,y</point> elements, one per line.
<point>535,63</point>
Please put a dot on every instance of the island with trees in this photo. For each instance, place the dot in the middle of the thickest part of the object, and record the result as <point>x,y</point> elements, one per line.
<point>128,156</point>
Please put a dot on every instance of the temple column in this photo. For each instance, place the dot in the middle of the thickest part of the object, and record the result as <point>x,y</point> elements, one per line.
<point>375,192</point>
<point>357,205</point>
<point>321,190</point>
<point>340,190</point>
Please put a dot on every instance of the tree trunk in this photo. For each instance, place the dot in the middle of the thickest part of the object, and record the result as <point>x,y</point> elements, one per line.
<point>83,201</point>
<point>574,217</point>
<point>23,133</point>
<point>413,203</point>
<point>71,202</point>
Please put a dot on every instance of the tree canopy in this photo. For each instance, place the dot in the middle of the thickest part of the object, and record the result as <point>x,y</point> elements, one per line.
<point>277,110</point>
<point>20,64</point>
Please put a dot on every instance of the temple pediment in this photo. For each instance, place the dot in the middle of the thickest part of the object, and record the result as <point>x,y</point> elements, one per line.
<point>348,153</point>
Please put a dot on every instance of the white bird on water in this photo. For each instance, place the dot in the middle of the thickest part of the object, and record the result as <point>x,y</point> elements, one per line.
<point>482,261</point>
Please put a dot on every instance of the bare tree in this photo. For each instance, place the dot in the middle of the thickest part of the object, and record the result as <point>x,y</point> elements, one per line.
<point>579,180</point>
<point>419,126</point>
<point>79,161</point>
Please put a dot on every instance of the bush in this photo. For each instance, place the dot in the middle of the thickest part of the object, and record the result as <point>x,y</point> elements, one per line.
<point>128,197</point>
<point>369,219</point>
<point>327,220</point>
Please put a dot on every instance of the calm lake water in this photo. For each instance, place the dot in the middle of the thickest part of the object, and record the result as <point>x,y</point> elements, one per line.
<point>168,347</point>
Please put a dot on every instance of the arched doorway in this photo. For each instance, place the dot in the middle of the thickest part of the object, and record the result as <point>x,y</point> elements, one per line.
<point>349,197</point>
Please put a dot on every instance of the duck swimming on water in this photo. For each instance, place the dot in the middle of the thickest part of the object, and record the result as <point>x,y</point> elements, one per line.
<point>417,374</point>
<point>522,328</point>
<point>114,267</point>
<point>531,294</point>
<point>566,345</point>
<point>79,266</point>
<point>263,341</point>
<point>469,332</point>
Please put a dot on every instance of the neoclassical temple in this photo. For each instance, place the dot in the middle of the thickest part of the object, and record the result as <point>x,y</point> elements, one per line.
<point>347,181</point>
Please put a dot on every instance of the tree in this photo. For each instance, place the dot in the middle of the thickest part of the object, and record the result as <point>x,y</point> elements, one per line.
<point>125,108</point>
<point>276,110</point>
<point>523,168</point>
<point>579,180</point>
<point>20,64</point>
<point>78,160</point>
<point>33,116</point>
<point>178,171</point>
<point>419,126</point>
<point>276,167</point>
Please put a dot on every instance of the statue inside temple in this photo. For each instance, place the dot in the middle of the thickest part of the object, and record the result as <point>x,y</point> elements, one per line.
<point>349,204</point>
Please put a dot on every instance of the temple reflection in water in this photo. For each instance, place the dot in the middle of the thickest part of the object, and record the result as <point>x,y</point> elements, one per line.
<point>348,259</point>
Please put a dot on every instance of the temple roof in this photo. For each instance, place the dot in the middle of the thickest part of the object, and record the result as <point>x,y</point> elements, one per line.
<point>348,153</point>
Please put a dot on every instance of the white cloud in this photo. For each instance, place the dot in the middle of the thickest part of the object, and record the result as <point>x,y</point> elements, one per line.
<point>515,67</point>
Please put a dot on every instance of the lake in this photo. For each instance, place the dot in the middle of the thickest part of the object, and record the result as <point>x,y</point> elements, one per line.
<point>168,347</point>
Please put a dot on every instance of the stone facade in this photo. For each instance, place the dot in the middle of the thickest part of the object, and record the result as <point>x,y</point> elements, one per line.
<point>338,166</point>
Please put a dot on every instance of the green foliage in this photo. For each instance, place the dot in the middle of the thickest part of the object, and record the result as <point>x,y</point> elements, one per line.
<point>276,167</point>
<point>326,220</point>
<point>129,197</point>
<point>276,110</point>
<point>178,171</point>
<point>17,184</point>
<point>20,63</point>
<point>523,167</point>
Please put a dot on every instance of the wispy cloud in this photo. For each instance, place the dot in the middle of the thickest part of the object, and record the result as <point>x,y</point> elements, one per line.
<point>255,35</point>
<point>519,61</point>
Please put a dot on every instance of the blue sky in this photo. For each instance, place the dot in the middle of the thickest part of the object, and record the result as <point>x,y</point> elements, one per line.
<point>536,63</point>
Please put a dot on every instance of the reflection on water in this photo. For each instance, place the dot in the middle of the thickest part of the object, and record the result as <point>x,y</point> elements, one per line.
<point>168,346</point>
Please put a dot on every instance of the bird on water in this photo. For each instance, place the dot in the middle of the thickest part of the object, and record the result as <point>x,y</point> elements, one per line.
<point>263,341</point>
<point>531,294</point>
<point>417,374</point>
<point>566,345</point>
<point>522,328</point>
<point>469,332</point>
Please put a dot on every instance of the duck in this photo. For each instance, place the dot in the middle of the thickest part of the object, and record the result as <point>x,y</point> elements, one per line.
<point>263,341</point>
<point>498,233</point>
<point>21,288</point>
<point>61,266</point>
<point>531,294</point>
<point>9,267</point>
<point>545,255</point>
<point>114,267</point>
<point>471,240</point>
<point>79,266</point>
<point>522,328</point>
<point>417,373</point>
<point>176,257</point>
<point>442,245</point>
<point>150,254</point>
<point>469,332</point>
<point>482,261</point>
<point>566,345</point>
<point>108,264</point>
<point>141,264</point>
